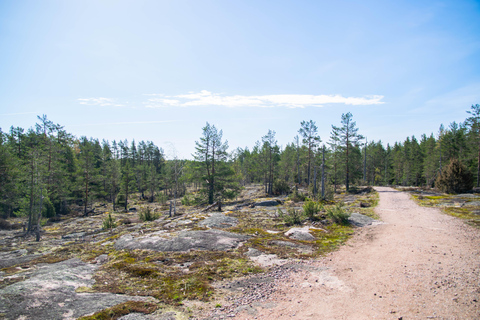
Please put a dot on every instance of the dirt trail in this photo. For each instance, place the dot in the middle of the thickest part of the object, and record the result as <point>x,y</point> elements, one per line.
<point>420,264</point>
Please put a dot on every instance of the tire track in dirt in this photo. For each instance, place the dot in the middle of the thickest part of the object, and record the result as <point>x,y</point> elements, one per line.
<point>420,264</point>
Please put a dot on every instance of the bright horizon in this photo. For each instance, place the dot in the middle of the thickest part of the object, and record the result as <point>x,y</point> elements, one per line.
<point>159,70</point>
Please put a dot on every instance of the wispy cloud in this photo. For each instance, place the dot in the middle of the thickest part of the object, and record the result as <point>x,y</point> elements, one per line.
<point>207,98</point>
<point>103,102</point>
<point>122,123</point>
<point>16,114</point>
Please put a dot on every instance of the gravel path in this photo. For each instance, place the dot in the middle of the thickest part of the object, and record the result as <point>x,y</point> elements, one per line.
<point>420,264</point>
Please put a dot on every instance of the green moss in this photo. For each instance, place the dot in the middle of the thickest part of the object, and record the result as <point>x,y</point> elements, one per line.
<point>337,235</point>
<point>465,214</point>
<point>84,289</point>
<point>166,277</point>
<point>123,309</point>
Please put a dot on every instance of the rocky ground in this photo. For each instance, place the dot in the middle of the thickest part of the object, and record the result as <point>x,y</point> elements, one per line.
<point>196,264</point>
<point>419,264</point>
<point>243,262</point>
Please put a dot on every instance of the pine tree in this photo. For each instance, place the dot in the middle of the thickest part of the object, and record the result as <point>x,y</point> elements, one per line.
<point>349,140</point>
<point>474,123</point>
<point>311,140</point>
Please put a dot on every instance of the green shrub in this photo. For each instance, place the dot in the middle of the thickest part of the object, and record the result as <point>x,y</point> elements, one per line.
<point>188,200</point>
<point>291,217</point>
<point>297,196</point>
<point>311,208</point>
<point>454,178</point>
<point>280,187</point>
<point>162,198</point>
<point>147,215</point>
<point>121,200</point>
<point>109,222</point>
<point>338,214</point>
<point>48,208</point>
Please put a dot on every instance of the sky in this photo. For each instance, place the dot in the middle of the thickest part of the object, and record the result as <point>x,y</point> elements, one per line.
<point>160,70</point>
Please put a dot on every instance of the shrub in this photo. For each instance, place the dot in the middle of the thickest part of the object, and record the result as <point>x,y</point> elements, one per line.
<point>280,187</point>
<point>121,200</point>
<point>108,222</point>
<point>188,200</point>
<point>148,215</point>
<point>338,214</point>
<point>297,196</point>
<point>311,208</point>
<point>48,208</point>
<point>162,198</point>
<point>454,178</point>
<point>291,217</point>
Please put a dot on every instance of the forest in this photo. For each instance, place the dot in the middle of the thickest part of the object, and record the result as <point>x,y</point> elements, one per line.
<point>45,169</point>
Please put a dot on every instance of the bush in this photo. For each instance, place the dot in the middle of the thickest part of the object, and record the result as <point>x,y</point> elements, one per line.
<point>297,196</point>
<point>338,214</point>
<point>48,208</point>
<point>188,200</point>
<point>454,178</point>
<point>148,215</point>
<point>109,222</point>
<point>291,217</point>
<point>311,208</point>
<point>121,200</point>
<point>162,198</point>
<point>280,187</point>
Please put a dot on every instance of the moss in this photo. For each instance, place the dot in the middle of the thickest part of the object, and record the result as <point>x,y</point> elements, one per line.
<point>435,197</point>
<point>337,235</point>
<point>84,290</point>
<point>8,281</point>
<point>465,214</point>
<point>123,309</point>
<point>165,276</point>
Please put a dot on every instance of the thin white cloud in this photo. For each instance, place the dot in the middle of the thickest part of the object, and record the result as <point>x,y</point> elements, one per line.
<point>121,123</point>
<point>207,98</point>
<point>103,102</point>
<point>16,114</point>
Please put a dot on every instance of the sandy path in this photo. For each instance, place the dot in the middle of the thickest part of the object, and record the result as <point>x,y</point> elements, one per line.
<point>420,264</point>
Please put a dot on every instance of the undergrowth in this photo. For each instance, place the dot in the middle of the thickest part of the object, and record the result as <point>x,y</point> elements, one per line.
<point>122,309</point>
<point>170,277</point>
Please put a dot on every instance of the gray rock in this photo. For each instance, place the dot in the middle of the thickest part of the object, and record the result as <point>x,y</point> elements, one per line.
<point>218,220</point>
<point>186,240</point>
<point>360,220</point>
<point>473,204</point>
<point>49,293</point>
<point>135,316</point>
<point>101,259</point>
<point>302,247</point>
<point>76,235</point>
<point>253,252</point>
<point>268,203</point>
<point>300,234</point>
<point>11,258</point>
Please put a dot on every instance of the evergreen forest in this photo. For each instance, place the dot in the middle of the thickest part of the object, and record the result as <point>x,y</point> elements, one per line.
<point>45,169</point>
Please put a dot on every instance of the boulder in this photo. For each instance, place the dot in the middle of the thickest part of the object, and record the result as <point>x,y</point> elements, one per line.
<point>360,220</point>
<point>302,234</point>
<point>219,221</point>
<point>49,293</point>
<point>267,203</point>
<point>211,240</point>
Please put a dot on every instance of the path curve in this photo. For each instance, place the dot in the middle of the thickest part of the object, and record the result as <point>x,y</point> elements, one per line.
<point>420,264</point>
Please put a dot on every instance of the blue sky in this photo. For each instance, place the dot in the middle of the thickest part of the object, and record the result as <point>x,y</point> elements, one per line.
<point>159,70</point>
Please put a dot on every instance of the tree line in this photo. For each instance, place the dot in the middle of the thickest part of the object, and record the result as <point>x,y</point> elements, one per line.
<point>44,170</point>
